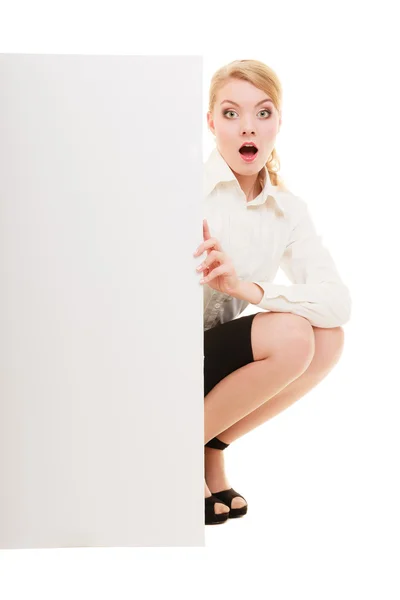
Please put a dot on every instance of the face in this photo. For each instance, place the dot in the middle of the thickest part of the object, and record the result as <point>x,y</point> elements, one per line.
<point>250,119</point>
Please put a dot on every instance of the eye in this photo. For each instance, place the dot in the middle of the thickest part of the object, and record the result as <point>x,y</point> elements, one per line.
<point>228,111</point>
<point>265,110</point>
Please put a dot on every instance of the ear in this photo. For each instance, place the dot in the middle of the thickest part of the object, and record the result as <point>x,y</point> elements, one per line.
<point>210,123</point>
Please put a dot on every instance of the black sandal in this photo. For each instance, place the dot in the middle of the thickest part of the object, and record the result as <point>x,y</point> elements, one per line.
<point>226,496</point>
<point>211,517</point>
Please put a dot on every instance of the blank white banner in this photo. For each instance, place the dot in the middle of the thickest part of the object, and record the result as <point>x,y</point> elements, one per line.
<point>101,315</point>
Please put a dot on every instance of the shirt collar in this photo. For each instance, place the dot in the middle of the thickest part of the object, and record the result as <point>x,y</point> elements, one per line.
<point>216,170</point>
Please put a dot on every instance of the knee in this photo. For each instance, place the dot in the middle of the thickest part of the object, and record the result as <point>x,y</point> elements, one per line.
<point>296,342</point>
<point>329,345</point>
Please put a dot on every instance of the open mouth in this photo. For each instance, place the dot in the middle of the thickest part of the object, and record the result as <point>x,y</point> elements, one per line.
<point>248,151</point>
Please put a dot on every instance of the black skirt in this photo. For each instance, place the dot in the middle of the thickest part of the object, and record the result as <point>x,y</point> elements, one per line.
<point>227,347</point>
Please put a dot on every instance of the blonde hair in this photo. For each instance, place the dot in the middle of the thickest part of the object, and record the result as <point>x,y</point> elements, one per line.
<point>262,77</point>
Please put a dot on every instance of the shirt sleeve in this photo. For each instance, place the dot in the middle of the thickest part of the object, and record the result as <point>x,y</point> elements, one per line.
<point>317,291</point>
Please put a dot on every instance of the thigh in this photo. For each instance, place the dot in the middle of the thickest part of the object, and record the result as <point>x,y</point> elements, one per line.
<point>227,347</point>
<point>276,333</point>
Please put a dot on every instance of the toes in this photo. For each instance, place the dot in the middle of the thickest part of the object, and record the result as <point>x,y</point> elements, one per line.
<point>220,508</point>
<point>238,502</point>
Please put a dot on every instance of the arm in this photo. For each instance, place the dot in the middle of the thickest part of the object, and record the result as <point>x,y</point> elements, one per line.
<point>317,291</point>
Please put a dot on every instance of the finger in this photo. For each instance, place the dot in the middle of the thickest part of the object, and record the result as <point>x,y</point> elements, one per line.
<point>206,236</point>
<point>206,245</point>
<point>221,270</point>
<point>214,256</point>
<point>212,243</point>
<point>206,229</point>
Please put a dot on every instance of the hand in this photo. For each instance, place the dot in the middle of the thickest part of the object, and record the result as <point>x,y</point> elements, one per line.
<point>218,270</point>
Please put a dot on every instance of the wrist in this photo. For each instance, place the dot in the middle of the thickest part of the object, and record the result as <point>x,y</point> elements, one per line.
<point>248,291</point>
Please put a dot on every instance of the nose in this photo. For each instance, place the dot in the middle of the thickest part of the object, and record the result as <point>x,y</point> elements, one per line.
<point>247,127</point>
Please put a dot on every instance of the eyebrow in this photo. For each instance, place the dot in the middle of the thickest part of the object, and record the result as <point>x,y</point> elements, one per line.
<point>258,103</point>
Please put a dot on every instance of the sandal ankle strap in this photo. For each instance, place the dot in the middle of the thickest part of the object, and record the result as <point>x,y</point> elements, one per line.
<point>217,444</point>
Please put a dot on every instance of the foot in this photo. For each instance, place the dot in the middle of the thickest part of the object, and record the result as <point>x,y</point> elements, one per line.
<point>215,474</point>
<point>219,507</point>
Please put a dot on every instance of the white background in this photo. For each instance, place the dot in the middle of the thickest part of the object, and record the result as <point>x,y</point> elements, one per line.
<point>321,478</point>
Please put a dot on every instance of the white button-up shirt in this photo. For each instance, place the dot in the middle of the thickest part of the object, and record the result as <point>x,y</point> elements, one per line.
<point>273,230</point>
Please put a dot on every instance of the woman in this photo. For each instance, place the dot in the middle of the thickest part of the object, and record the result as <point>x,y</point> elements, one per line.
<point>257,365</point>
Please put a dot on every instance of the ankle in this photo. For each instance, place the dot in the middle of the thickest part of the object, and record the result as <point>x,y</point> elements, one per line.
<point>217,444</point>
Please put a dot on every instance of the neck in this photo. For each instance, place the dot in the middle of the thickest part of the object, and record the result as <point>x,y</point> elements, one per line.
<point>251,187</point>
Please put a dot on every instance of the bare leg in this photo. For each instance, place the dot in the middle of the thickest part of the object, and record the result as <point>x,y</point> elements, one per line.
<point>328,349</point>
<point>283,348</point>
